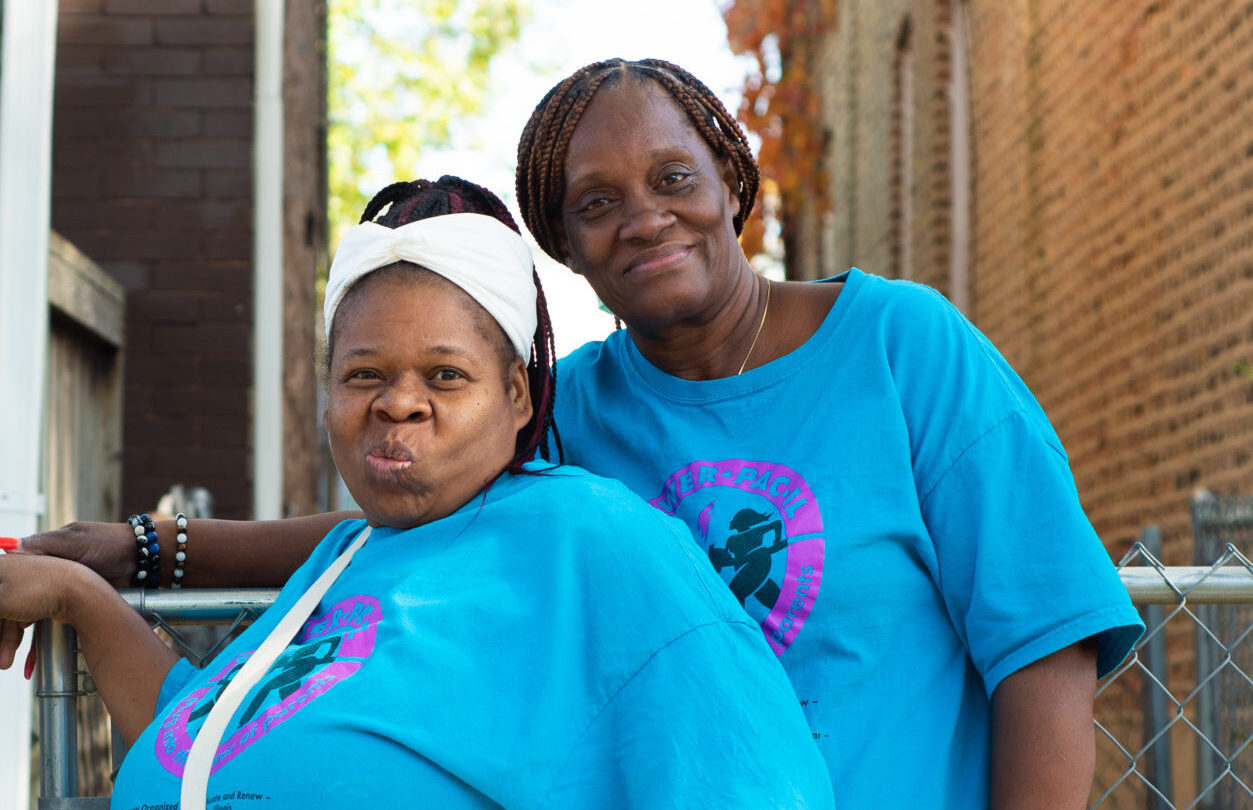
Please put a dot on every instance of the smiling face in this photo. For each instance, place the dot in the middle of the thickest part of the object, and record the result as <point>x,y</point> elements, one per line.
<point>422,409</point>
<point>647,209</point>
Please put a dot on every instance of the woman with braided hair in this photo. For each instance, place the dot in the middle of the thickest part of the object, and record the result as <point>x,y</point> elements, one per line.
<point>938,598</point>
<point>474,641</point>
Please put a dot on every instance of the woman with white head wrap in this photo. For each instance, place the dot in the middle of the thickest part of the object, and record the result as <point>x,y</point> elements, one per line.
<point>496,631</point>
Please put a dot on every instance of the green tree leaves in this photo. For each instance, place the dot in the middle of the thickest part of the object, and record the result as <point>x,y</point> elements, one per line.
<point>401,73</point>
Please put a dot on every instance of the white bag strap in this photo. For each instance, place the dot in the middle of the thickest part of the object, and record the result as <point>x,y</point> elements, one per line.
<point>200,757</point>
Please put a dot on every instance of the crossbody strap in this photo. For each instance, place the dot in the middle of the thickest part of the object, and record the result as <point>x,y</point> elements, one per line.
<point>200,757</point>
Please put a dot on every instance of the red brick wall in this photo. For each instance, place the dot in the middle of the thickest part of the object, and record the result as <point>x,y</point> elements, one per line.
<point>860,81</point>
<point>1112,249</point>
<point>152,179</point>
<point>1136,281</point>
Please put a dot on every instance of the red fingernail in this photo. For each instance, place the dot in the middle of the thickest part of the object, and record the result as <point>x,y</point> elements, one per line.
<point>9,543</point>
<point>29,669</point>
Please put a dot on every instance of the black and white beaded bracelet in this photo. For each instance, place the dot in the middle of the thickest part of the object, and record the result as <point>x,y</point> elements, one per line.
<point>180,552</point>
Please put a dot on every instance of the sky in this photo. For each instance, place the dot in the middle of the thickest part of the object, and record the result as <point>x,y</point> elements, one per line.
<point>562,36</point>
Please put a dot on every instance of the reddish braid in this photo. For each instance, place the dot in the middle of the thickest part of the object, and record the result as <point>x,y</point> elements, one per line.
<point>421,199</point>
<point>540,176</point>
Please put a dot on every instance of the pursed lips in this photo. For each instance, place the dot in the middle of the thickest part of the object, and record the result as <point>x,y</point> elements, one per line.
<point>389,456</point>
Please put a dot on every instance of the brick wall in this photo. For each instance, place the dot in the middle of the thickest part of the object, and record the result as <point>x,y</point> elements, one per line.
<point>861,82</point>
<point>152,179</point>
<point>1112,246</point>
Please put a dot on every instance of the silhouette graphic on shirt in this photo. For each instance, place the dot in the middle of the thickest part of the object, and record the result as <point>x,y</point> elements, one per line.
<point>206,705</point>
<point>746,553</point>
<point>286,675</point>
<point>290,669</point>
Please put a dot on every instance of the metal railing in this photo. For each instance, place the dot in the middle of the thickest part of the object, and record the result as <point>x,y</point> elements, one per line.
<point>1175,720</point>
<point>1154,704</point>
<point>60,681</point>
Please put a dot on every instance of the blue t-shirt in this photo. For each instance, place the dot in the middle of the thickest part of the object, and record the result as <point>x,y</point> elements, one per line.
<point>554,644</point>
<point>890,503</point>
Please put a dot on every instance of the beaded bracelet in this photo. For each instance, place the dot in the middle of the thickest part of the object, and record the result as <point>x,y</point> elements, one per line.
<point>180,554</point>
<point>141,561</point>
<point>147,552</point>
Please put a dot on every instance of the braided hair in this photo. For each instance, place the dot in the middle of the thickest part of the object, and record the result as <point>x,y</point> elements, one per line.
<point>420,199</point>
<point>540,176</point>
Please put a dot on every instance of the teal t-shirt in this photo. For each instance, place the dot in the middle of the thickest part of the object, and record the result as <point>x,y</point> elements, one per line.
<point>554,644</point>
<point>890,505</point>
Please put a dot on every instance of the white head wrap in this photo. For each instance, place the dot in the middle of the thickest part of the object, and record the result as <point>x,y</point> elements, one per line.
<point>480,254</point>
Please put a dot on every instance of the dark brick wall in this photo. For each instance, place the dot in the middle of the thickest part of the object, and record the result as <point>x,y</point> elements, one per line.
<point>152,179</point>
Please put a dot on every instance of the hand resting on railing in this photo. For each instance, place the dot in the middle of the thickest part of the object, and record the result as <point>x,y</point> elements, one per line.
<point>127,660</point>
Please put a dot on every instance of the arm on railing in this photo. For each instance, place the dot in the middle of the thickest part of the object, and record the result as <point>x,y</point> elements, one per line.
<point>56,672</point>
<point>1150,584</point>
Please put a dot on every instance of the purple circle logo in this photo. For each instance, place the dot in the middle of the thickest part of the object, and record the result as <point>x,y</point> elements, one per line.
<point>761,526</point>
<point>330,647</point>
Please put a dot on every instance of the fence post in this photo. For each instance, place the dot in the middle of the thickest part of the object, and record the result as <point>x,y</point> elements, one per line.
<point>58,721</point>
<point>1205,552</point>
<point>1152,698</point>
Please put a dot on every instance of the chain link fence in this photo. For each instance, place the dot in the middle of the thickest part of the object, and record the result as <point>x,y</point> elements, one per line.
<point>1174,723</point>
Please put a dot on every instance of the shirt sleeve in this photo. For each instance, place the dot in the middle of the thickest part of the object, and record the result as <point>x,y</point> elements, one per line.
<point>1020,568</point>
<point>1022,571</point>
<point>682,734</point>
<point>179,676</point>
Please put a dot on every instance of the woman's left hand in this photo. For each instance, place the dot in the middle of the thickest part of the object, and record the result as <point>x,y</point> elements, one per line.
<point>126,659</point>
<point>33,587</point>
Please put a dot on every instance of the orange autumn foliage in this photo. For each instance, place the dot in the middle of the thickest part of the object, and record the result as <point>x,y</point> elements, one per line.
<point>780,103</point>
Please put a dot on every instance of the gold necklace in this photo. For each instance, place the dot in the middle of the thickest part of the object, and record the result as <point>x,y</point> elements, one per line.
<point>753,345</point>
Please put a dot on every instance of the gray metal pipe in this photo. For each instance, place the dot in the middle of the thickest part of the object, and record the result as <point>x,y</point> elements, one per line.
<point>1228,585</point>
<point>199,606</point>
<point>1157,715</point>
<point>57,690</point>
